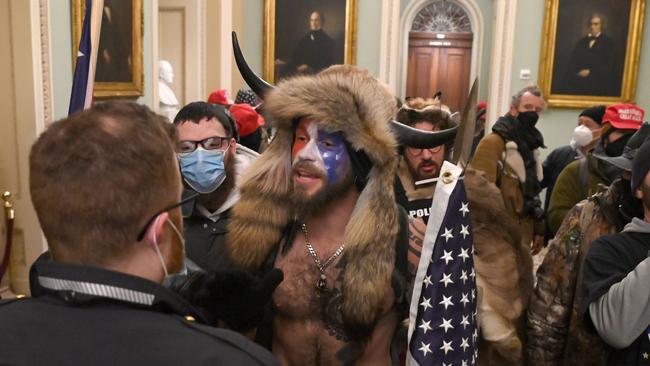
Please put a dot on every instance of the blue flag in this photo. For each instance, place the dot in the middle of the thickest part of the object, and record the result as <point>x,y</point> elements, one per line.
<point>442,322</point>
<point>80,91</point>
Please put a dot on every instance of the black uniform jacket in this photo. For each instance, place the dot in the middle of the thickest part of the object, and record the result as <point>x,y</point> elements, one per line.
<point>205,239</point>
<point>90,316</point>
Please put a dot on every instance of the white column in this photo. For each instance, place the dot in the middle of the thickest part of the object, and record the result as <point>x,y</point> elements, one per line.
<point>501,59</point>
<point>225,51</point>
<point>155,54</point>
<point>388,44</point>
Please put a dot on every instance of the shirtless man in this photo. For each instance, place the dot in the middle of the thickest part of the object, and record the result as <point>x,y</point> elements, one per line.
<point>319,205</point>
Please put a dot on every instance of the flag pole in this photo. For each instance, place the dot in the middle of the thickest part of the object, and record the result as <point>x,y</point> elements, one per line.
<point>95,28</point>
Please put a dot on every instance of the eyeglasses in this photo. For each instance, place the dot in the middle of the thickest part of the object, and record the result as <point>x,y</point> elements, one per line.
<point>418,152</point>
<point>211,143</point>
<point>182,202</point>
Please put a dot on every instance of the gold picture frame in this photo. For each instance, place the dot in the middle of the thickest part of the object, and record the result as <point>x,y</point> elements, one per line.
<point>123,77</point>
<point>571,89</point>
<point>349,19</point>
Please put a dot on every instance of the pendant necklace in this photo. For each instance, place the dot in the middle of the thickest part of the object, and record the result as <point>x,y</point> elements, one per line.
<point>321,284</point>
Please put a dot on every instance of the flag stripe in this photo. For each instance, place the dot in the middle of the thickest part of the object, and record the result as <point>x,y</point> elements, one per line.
<point>84,73</point>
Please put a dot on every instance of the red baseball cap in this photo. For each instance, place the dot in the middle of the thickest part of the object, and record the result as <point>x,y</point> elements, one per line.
<point>246,118</point>
<point>219,97</point>
<point>624,116</point>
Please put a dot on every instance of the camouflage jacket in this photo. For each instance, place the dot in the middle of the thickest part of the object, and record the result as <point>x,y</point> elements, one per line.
<point>556,334</point>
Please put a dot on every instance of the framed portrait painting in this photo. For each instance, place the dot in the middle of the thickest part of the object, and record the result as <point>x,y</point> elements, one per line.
<point>590,51</point>
<point>306,36</point>
<point>119,57</point>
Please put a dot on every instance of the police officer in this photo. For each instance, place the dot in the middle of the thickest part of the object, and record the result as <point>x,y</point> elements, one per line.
<point>106,188</point>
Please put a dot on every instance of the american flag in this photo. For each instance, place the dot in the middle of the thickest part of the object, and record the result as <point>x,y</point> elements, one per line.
<point>81,95</point>
<point>442,322</point>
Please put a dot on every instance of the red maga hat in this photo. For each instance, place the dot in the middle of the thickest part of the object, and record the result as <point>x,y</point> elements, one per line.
<point>624,116</point>
<point>247,119</point>
<point>219,97</point>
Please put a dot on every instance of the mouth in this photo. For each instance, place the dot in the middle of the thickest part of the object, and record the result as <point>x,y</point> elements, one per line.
<point>305,176</point>
<point>427,168</point>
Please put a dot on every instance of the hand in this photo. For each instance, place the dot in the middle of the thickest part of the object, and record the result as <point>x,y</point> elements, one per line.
<point>237,298</point>
<point>584,73</point>
<point>538,244</point>
<point>304,68</point>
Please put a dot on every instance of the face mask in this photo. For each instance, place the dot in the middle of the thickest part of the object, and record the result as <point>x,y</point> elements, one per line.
<point>528,118</point>
<point>616,148</point>
<point>582,136</point>
<point>203,170</point>
<point>160,257</point>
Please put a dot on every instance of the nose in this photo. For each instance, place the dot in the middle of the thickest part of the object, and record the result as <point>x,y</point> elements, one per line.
<point>426,154</point>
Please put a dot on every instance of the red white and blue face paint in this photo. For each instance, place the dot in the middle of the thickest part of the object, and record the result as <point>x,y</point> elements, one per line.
<point>325,150</point>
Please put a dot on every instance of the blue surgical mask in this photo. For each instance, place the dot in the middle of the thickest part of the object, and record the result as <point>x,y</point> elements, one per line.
<point>203,170</point>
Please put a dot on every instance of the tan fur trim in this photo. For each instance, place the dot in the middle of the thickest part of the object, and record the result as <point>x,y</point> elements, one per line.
<point>262,211</point>
<point>501,260</point>
<point>514,160</point>
<point>423,104</point>
<point>340,98</point>
<point>538,164</point>
<point>370,250</point>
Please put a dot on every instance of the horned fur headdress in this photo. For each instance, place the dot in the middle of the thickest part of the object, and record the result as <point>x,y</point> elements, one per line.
<point>340,98</point>
<point>346,99</point>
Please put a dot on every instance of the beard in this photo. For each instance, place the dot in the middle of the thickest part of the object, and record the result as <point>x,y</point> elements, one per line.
<point>304,204</point>
<point>434,173</point>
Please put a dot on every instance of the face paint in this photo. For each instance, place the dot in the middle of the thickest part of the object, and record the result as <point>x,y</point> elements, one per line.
<point>335,156</point>
<point>325,150</point>
<point>305,146</point>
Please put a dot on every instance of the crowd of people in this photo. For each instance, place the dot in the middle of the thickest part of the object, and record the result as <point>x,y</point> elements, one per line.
<point>286,227</point>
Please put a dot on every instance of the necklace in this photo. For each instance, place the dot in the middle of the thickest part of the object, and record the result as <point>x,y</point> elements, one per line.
<point>321,285</point>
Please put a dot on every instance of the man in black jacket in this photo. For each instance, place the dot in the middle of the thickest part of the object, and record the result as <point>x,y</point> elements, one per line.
<point>615,284</point>
<point>210,161</point>
<point>106,188</point>
<point>593,68</point>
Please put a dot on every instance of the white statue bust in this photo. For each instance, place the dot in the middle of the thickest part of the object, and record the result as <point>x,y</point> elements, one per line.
<point>168,104</point>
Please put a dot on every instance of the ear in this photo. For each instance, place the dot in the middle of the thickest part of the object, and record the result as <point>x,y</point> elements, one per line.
<point>154,232</point>
<point>513,111</point>
<point>233,146</point>
<point>638,193</point>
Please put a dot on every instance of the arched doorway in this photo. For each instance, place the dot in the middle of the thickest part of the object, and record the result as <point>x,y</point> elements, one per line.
<point>440,53</point>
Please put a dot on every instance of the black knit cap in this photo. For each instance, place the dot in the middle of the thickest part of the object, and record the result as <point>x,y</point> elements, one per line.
<point>641,165</point>
<point>596,113</point>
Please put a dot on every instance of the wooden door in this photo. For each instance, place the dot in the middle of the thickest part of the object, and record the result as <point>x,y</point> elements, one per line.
<point>440,61</point>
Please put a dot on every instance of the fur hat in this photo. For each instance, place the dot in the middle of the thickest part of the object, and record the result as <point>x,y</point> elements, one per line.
<point>425,109</point>
<point>340,98</point>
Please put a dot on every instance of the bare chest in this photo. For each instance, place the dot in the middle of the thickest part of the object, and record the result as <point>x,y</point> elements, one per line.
<point>298,296</point>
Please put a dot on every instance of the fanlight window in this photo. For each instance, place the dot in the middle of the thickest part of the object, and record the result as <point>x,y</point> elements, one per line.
<point>442,16</point>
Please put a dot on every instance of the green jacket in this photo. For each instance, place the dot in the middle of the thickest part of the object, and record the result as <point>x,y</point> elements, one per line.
<point>570,188</point>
